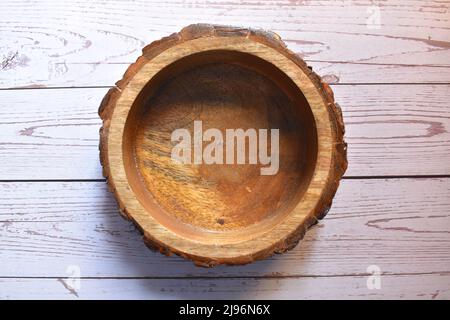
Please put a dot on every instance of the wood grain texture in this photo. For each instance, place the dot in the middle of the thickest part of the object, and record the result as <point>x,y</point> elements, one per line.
<point>191,211</point>
<point>390,129</point>
<point>81,43</point>
<point>429,287</point>
<point>400,225</point>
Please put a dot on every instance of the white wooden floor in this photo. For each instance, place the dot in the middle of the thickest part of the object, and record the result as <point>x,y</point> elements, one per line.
<point>389,64</point>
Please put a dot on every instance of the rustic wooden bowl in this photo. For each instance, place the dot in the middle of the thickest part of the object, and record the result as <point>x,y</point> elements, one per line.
<point>227,78</point>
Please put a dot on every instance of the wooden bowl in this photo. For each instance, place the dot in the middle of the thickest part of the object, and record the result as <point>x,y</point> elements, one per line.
<point>224,78</point>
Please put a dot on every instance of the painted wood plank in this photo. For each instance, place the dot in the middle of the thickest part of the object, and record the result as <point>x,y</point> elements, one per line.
<point>50,134</point>
<point>396,130</point>
<point>390,130</point>
<point>79,43</point>
<point>374,73</point>
<point>432,287</point>
<point>400,225</point>
<point>101,74</point>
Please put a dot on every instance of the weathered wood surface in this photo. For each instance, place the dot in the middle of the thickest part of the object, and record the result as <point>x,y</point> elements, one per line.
<point>83,43</point>
<point>392,287</point>
<point>390,130</point>
<point>400,225</point>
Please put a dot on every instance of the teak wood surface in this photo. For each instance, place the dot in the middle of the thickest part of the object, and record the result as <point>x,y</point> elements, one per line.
<point>392,209</point>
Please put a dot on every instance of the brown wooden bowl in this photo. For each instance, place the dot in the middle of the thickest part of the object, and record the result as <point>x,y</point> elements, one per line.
<point>227,78</point>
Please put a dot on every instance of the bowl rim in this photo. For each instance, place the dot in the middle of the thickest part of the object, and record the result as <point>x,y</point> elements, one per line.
<point>287,232</point>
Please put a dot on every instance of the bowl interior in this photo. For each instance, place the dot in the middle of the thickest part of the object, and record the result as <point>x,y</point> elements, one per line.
<point>221,90</point>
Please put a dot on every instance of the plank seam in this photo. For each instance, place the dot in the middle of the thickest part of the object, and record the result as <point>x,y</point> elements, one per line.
<point>437,273</point>
<point>437,176</point>
<point>331,84</point>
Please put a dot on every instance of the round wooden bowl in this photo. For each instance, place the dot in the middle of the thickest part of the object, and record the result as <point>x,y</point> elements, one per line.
<point>227,78</point>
